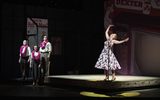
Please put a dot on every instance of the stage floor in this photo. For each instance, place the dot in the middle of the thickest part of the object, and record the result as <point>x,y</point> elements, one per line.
<point>101,77</point>
<point>97,81</point>
<point>82,86</point>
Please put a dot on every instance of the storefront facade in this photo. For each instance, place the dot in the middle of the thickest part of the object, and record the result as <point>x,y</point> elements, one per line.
<point>142,19</point>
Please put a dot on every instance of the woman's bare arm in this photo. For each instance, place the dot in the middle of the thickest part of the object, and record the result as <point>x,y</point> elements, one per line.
<point>119,42</point>
<point>107,30</point>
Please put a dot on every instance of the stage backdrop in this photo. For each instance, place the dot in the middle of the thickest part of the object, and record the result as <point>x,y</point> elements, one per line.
<point>36,29</point>
<point>147,55</point>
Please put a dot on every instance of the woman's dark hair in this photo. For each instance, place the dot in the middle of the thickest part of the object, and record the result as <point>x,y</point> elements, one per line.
<point>112,30</point>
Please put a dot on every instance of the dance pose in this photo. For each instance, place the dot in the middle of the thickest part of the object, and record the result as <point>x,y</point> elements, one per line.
<point>107,60</point>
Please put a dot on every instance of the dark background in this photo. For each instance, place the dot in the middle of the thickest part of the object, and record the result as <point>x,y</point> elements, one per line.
<point>79,23</point>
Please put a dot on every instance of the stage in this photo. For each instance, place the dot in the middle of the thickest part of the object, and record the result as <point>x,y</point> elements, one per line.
<point>82,86</point>
<point>122,82</point>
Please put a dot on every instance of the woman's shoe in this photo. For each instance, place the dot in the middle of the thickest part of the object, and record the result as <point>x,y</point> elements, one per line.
<point>113,79</point>
<point>106,79</point>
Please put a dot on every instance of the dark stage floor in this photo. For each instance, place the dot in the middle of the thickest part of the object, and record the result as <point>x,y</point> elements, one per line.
<point>25,89</point>
<point>51,92</point>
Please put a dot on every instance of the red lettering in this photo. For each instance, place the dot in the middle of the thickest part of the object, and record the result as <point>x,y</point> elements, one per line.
<point>129,3</point>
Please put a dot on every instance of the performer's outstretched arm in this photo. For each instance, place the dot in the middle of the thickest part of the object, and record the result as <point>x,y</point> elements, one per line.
<point>119,42</point>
